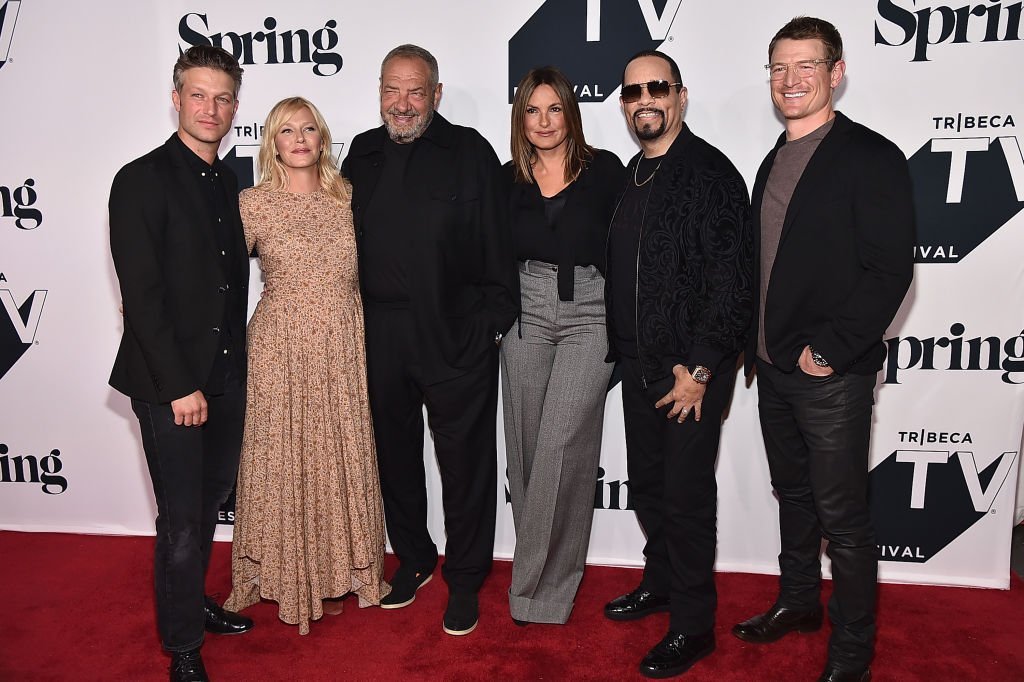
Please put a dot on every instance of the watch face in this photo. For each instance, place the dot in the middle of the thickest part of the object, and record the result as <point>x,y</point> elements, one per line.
<point>701,374</point>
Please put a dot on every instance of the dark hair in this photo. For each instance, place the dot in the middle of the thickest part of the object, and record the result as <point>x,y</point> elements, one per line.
<point>210,57</point>
<point>416,52</point>
<point>677,75</point>
<point>809,28</point>
<point>577,151</point>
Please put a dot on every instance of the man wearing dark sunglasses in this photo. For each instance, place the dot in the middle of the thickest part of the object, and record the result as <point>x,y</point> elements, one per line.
<point>679,283</point>
<point>834,230</point>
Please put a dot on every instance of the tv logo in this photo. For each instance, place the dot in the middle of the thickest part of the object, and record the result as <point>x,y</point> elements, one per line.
<point>18,327</point>
<point>8,19</point>
<point>243,159</point>
<point>965,188</point>
<point>980,23</point>
<point>589,40</point>
<point>298,46</point>
<point>923,500</point>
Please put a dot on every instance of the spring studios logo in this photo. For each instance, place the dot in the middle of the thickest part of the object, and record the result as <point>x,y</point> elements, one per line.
<point>589,40</point>
<point>924,25</point>
<point>18,324</point>
<point>8,18</point>
<point>271,45</point>
<point>931,491</point>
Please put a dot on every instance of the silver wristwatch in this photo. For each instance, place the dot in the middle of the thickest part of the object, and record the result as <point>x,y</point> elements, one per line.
<point>817,358</point>
<point>701,374</point>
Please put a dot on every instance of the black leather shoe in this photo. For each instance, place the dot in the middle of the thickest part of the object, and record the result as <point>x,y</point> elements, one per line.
<point>187,666</point>
<point>676,654</point>
<point>221,622</point>
<point>636,604</point>
<point>833,674</point>
<point>776,623</point>
<point>462,614</point>
<point>404,584</point>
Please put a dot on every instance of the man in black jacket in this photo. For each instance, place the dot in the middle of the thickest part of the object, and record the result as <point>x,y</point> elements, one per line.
<point>440,288</point>
<point>834,228</point>
<point>177,245</point>
<point>680,263</point>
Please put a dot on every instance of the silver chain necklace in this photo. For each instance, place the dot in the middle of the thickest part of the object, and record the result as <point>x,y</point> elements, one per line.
<point>649,177</point>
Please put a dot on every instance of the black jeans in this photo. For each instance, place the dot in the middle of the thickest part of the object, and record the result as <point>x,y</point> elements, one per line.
<point>462,414</point>
<point>672,485</point>
<point>816,432</point>
<point>193,471</point>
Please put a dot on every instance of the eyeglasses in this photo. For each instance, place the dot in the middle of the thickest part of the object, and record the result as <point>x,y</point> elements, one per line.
<point>658,89</point>
<point>804,69</point>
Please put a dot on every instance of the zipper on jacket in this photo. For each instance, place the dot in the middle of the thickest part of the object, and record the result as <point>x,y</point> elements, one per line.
<point>636,290</point>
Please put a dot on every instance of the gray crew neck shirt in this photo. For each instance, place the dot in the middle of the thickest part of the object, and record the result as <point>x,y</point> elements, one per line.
<point>789,165</point>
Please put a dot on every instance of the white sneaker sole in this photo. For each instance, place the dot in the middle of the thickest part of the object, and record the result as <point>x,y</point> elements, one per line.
<point>411,599</point>
<point>459,633</point>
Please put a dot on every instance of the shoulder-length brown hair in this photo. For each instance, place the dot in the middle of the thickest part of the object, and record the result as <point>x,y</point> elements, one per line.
<point>274,174</point>
<point>577,151</point>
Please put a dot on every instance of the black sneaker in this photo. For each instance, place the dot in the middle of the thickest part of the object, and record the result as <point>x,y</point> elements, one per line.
<point>404,584</point>
<point>462,614</point>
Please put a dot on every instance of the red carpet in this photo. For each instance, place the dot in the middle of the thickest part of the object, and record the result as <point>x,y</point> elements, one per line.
<point>80,607</point>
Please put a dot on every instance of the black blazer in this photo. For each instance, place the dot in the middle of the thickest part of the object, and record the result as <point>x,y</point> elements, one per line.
<point>171,276</point>
<point>583,223</point>
<point>845,258</point>
<point>465,285</point>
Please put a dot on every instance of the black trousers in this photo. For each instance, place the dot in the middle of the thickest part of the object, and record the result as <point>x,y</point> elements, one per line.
<point>672,485</point>
<point>193,469</point>
<point>816,432</point>
<point>462,414</point>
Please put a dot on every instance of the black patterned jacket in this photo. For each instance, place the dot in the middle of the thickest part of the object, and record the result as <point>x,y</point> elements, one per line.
<point>695,262</point>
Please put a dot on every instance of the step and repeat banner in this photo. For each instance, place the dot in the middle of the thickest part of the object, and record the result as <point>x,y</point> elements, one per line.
<point>86,87</point>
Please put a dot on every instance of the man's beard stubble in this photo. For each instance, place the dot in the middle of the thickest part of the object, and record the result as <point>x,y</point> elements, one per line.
<point>409,134</point>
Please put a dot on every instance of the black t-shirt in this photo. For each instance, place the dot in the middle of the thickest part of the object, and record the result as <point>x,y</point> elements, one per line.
<point>386,246</point>
<point>623,247</point>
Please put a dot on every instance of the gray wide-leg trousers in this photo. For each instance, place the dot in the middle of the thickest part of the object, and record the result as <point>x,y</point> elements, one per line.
<point>554,384</point>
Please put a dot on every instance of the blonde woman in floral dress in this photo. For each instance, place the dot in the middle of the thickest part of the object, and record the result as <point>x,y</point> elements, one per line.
<point>309,526</point>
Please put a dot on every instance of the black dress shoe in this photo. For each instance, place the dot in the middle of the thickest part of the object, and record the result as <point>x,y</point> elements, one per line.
<point>221,622</point>
<point>636,604</point>
<point>676,654</point>
<point>187,666</point>
<point>833,674</point>
<point>777,622</point>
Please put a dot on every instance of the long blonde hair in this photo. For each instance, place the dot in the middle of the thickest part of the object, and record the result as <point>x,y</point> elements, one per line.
<point>274,174</point>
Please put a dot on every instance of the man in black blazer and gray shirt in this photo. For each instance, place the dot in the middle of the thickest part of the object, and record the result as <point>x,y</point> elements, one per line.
<point>178,249</point>
<point>834,229</point>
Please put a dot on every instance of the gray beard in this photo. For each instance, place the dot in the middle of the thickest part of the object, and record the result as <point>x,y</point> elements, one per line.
<point>407,135</point>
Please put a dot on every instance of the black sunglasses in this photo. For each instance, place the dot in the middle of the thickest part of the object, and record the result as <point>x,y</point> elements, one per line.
<point>658,89</point>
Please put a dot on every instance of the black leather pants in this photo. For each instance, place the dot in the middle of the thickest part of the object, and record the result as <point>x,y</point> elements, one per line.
<point>816,432</point>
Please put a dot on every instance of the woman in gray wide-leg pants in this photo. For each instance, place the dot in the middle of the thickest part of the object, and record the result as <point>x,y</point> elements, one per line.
<point>562,194</point>
<point>554,384</point>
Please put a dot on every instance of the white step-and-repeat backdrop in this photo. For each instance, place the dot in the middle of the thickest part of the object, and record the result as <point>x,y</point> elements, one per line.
<point>86,87</point>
